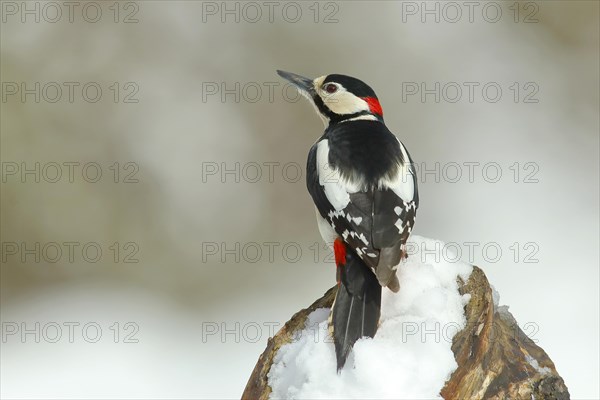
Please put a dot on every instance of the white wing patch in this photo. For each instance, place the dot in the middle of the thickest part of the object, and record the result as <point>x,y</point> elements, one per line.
<point>402,184</point>
<point>327,233</point>
<point>337,190</point>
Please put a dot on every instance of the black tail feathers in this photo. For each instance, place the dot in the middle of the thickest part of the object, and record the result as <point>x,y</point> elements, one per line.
<point>356,308</point>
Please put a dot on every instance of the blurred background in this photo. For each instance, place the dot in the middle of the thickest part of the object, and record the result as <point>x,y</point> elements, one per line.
<point>155,225</point>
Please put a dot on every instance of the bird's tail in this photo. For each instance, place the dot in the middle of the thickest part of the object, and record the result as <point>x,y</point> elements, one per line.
<point>357,304</point>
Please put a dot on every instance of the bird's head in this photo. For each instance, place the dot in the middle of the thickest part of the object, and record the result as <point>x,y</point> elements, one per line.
<point>338,98</point>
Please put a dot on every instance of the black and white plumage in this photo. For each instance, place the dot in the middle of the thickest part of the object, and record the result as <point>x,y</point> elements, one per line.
<point>363,184</point>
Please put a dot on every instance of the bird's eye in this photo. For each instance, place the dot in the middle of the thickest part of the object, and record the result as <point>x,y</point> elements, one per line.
<point>331,88</point>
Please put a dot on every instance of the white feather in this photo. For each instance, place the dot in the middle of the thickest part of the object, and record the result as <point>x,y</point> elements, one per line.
<point>367,117</point>
<point>327,233</point>
<point>402,184</point>
<point>337,190</point>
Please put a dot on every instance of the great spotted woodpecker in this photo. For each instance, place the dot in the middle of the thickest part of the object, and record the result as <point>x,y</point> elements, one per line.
<point>363,183</point>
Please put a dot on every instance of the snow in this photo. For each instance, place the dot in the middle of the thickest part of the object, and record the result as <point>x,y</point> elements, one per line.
<point>410,356</point>
<point>533,362</point>
<point>506,315</point>
<point>495,297</point>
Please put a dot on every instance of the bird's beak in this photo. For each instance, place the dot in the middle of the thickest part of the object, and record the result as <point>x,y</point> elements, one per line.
<point>303,84</point>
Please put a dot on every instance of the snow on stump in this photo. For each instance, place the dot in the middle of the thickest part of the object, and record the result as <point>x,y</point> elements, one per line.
<point>442,336</point>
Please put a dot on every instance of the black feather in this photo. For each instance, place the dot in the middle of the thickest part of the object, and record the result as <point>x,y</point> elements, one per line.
<point>357,307</point>
<point>364,148</point>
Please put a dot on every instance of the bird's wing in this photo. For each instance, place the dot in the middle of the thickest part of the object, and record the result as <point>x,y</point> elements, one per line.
<point>375,223</point>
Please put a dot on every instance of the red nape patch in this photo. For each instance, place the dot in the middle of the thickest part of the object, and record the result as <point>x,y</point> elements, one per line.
<point>339,250</point>
<point>374,105</point>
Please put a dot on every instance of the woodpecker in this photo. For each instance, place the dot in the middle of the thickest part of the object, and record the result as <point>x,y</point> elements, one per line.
<point>363,183</point>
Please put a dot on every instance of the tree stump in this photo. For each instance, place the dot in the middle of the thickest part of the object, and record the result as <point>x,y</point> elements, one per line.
<point>496,359</point>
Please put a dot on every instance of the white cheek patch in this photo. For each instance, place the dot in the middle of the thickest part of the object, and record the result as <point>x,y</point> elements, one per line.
<point>341,102</point>
<point>337,190</point>
<point>344,103</point>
